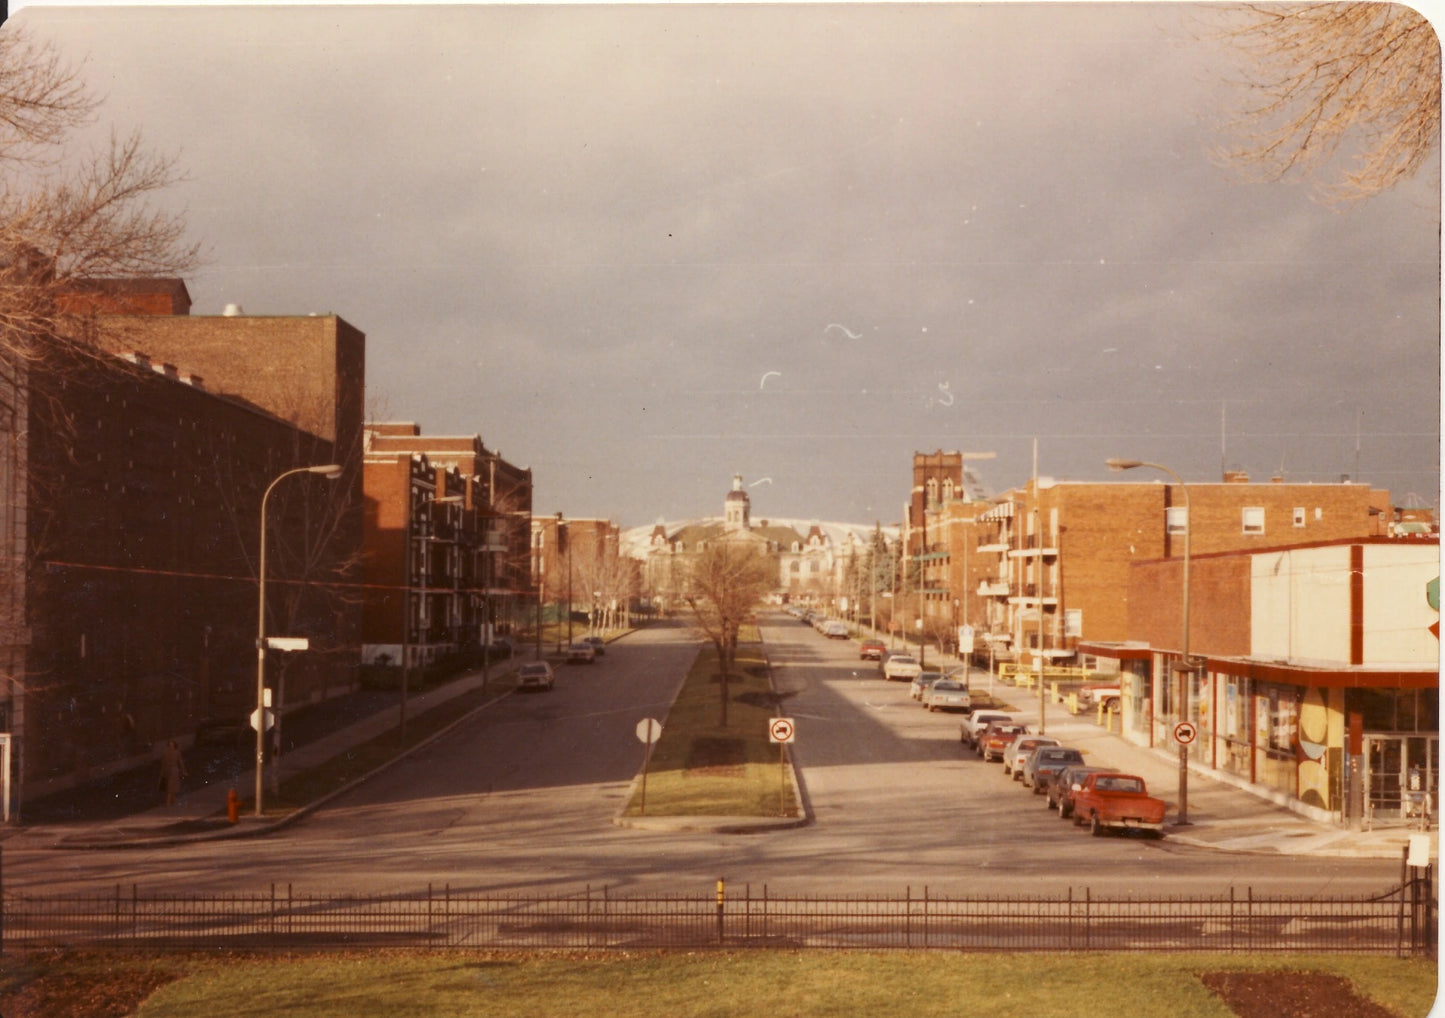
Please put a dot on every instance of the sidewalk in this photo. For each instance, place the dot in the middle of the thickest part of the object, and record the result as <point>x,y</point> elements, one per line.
<point>200,814</point>
<point>1222,816</point>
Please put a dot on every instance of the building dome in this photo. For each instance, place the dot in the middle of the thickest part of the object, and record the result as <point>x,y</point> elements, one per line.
<point>737,507</point>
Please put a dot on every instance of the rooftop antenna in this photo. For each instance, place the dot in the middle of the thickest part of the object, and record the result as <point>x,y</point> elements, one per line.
<point>1359,418</point>
<point>1223,442</point>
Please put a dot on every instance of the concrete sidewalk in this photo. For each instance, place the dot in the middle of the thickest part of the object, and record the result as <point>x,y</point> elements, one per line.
<point>200,814</point>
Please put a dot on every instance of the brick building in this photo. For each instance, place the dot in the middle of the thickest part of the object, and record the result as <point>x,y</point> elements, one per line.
<point>487,526</point>
<point>1049,562</point>
<point>140,567</point>
<point>133,487</point>
<point>579,568</point>
<point>1318,670</point>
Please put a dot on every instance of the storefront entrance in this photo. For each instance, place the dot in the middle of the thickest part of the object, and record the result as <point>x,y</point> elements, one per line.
<point>1401,778</point>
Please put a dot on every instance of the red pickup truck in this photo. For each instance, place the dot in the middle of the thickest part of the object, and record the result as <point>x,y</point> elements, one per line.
<point>1108,801</point>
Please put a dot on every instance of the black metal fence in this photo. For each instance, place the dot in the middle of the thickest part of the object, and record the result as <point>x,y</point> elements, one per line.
<point>1398,922</point>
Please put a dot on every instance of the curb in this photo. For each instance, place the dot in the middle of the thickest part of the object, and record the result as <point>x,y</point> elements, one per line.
<point>242,830</point>
<point>694,823</point>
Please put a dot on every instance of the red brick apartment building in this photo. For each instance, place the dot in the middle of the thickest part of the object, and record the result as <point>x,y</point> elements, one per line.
<point>133,496</point>
<point>1047,565</point>
<point>578,566</point>
<point>446,536</point>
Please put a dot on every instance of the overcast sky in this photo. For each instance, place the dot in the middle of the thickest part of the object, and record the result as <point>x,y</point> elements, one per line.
<point>641,249</point>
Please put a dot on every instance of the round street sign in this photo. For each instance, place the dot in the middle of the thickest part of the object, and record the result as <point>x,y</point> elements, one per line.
<point>649,730</point>
<point>780,730</point>
<point>1184,733</point>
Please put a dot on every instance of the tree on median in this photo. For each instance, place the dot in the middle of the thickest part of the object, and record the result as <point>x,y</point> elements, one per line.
<point>723,586</point>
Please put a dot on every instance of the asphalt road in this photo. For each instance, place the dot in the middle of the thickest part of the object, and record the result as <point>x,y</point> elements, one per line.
<point>520,799</point>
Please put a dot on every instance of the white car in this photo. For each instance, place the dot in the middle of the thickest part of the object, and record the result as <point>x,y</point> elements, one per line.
<point>581,651</point>
<point>535,675</point>
<point>1020,750</point>
<point>903,667</point>
<point>946,694</point>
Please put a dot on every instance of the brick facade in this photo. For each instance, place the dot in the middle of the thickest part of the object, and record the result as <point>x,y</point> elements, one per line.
<point>143,531</point>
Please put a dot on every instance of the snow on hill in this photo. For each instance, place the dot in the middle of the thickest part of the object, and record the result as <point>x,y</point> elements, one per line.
<point>634,540</point>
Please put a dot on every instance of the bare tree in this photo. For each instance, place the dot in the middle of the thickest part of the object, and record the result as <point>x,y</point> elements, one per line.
<point>67,220</point>
<point>725,583</point>
<point>1359,78</point>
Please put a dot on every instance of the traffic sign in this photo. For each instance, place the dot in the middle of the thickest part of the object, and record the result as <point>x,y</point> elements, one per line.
<point>1185,732</point>
<point>287,643</point>
<point>269,715</point>
<point>649,730</point>
<point>780,729</point>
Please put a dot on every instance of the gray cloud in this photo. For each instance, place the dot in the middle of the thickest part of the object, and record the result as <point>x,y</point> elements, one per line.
<point>588,232</point>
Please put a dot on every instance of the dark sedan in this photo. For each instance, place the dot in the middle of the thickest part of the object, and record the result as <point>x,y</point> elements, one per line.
<point>1060,790</point>
<point>1045,762</point>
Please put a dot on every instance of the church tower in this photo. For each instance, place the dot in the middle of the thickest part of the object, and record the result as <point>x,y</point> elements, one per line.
<point>737,507</point>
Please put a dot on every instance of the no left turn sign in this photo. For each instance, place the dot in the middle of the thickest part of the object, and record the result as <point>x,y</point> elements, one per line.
<point>1184,733</point>
<point>780,729</point>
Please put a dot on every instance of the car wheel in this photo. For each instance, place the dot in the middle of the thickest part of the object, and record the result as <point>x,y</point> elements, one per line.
<point>1065,810</point>
<point>1095,828</point>
<point>1036,789</point>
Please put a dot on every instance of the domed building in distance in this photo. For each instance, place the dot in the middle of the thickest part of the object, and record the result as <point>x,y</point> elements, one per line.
<point>814,560</point>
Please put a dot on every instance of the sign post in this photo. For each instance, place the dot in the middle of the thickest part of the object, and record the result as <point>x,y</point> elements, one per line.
<point>649,730</point>
<point>781,731</point>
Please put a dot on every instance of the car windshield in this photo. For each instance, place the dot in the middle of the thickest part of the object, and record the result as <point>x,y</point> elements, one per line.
<point>944,686</point>
<point>903,659</point>
<point>533,669</point>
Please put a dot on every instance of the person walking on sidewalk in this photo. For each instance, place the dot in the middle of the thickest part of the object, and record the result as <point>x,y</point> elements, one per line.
<point>173,769</point>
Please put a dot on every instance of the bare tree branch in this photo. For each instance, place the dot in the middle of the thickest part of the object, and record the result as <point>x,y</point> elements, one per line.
<point>1355,79</point>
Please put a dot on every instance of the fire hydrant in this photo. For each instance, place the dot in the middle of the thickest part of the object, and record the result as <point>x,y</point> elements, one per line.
<point>233,806</point>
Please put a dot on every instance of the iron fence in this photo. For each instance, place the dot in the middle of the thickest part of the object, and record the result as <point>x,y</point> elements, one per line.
<point>1397,922</point>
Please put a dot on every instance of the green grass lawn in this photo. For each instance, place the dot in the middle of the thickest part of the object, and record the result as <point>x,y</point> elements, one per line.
<point>701,768</point>
<point>707,983</point>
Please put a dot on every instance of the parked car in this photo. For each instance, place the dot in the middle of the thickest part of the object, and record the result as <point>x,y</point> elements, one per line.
<point>599,645</point>
<point>975,723</point>
<point>947,694</point>
<point>901,667</point>
<point>997,737</point>
<point>1020,750</point>
<point>871,650</point>
<point>919,686</point>
<point>835,630</point>
<point>536,675</point>
<point>581,652</point>
<point>1117,802</point>
<point>501,646</point>
<point>1060,791</point>
<point>1046,761</point>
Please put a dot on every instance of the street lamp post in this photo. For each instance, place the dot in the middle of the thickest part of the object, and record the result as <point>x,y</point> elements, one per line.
<point>331,471</point>
<point>1186,665</point>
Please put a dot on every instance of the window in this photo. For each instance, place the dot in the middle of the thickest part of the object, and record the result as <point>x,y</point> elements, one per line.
<point>1299,516</point>
<point>1176,519</point>
<point>1253,519</point>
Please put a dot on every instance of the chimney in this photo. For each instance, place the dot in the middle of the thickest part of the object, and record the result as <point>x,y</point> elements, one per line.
<point>232,311</point>
<point>1236,477</point>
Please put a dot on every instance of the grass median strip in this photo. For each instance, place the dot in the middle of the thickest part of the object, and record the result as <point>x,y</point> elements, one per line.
<point>701,768</point>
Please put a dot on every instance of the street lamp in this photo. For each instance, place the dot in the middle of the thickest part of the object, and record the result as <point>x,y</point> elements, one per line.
<point>1186,665</point>
<point>330,471</point>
